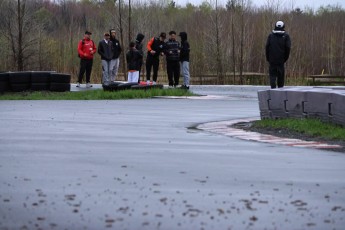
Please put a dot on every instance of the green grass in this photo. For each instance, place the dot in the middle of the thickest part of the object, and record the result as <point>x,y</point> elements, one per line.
<point>94,94</point>
<point>311,127</point>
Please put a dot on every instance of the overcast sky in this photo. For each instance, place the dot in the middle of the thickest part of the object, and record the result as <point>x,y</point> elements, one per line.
<point>287,3</point>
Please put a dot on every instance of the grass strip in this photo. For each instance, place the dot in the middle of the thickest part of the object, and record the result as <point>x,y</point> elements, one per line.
<point>309,126</point>
<point>94,94</point>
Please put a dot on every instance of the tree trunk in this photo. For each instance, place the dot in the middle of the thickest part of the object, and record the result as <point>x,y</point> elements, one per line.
<point>20,12</point>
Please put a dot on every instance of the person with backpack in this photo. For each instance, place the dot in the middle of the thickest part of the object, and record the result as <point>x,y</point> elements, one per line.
<point>105,50</point>
<point>86,50</point>
<point>155,48</point>
<point>117,49</point>
<point>278,48</point>
<point>134,58</point>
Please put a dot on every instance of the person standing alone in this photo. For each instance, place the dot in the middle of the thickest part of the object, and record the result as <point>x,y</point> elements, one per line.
<point>278,48</point>
<point>116,56</point>
<point>172,53</point>
<point>184,60</point>
<point>86,50</point>
<point>105,50</point>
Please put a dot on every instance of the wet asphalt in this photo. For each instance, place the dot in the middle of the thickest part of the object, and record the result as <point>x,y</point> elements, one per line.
<point>141,164</point>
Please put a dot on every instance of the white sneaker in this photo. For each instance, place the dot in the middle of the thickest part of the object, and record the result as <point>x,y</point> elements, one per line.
<point>147,82</point>
<point>154,83</point>
<point>88,85</point>
<point>78,84</point>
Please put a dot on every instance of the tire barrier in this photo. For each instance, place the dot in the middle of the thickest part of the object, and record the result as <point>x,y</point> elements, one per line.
<point>35,81</point>
<point>4,82</point>
<point>20,81</point>
<point>324,103</point>
<point>60,82</point>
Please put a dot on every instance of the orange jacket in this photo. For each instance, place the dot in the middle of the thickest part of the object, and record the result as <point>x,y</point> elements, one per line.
<point>86,48</point>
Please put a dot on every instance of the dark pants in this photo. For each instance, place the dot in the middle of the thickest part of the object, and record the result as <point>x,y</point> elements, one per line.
<point>152,62</point>
<point>276,73</point>
<point>173,70</point>
<point>85,66</point>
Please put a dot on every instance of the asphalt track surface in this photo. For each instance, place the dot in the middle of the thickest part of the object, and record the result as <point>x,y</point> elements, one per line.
<point>140,164</point>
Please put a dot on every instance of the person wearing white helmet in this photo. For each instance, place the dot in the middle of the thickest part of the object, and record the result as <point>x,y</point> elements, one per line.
<point>278,48</point>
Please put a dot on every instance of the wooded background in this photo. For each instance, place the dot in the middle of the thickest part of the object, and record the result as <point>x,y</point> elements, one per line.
<point>226,40</point>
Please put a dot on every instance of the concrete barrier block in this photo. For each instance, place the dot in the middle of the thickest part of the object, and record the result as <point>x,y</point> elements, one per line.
<point>318,103</point>
<point>295,100</point>
<point>277,99</point>
<point>263,97</point>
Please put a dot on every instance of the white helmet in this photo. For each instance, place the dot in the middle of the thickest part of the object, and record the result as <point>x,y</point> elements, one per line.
<point>280,25</point>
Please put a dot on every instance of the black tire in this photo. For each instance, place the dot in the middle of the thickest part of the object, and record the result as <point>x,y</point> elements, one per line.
<point>20,87</point>
<point>4,86</point>
<point>4,77</point>
<point>40,86</point>
<point>40,76</point>
<point>20,77</point>
<point>126,85</point>
<point>60,78</point>
<point>60,87</point>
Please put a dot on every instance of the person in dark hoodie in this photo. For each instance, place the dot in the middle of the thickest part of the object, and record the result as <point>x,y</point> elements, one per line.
<point>278,48</point>
<point>134,60</point>
<point>116,57</point>
<point>105,50</point>
<point>184,60</point>
<point>139,47</point>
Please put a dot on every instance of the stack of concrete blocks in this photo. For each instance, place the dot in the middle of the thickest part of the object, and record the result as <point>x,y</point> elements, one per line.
<point>325,103</point>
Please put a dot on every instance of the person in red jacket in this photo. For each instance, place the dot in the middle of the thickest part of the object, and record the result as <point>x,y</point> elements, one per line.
<point>86,50</point>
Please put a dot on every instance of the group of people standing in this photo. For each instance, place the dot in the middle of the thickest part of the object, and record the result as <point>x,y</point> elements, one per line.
<point>177,58</point>
<point>277,47</point>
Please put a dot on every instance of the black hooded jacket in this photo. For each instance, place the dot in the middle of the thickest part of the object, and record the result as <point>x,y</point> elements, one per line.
<point>139,47</point>
<point>278,47</point>
<point>185,49</point>
<point>139,44</point>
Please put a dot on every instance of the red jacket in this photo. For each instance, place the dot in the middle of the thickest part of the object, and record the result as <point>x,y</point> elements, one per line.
<point>86,48</point>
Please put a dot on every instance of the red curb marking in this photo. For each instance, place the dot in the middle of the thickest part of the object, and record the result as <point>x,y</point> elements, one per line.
<point>223,127</point>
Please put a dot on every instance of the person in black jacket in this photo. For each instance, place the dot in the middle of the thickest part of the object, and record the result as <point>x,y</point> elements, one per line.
<point>116,57</point>
<point>278,48</point>
<point>139,47</point>
<point>133,58</point>
<point>172,53</point>
<point>155,48</point>
<point>184,60</point>
<point>105,49</point>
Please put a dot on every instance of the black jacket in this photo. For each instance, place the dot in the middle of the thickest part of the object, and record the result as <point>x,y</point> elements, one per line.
<point>172,48</point>
<point>278,47</point>
<point>134,58</point>
<point>116,47</point>
<point>185,49</point>
<point>157,45</point>
<point>105,50</point>
<point>139,46</point>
